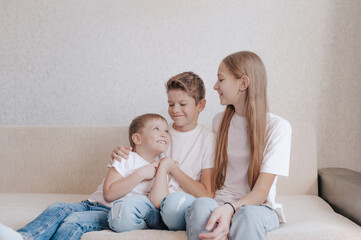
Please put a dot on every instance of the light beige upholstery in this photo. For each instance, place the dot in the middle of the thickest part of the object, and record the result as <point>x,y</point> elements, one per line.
<point>43,165</point>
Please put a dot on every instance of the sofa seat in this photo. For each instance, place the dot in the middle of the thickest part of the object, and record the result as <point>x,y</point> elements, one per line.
<point>308,217</point>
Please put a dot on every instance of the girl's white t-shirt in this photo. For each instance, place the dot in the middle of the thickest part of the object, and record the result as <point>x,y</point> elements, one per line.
<point>125,168</point>
<point>276,158</point>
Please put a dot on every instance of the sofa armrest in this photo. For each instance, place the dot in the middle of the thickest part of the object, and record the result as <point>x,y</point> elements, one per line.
<point>341,188</point>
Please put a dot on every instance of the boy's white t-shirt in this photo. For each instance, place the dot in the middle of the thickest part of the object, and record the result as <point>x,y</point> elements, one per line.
<point>193,150</point>
<point>125,168</point>
<point>276,158</point>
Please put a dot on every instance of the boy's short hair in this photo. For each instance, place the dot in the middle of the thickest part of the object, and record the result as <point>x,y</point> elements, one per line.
<point>189,82</point>
<point>138,124</point>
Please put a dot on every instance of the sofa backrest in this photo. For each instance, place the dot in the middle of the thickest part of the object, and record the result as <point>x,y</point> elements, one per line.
<point>303,164</point>
<point>73,159</point>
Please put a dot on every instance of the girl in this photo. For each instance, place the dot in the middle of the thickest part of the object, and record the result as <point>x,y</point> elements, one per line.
<point>252,148</point>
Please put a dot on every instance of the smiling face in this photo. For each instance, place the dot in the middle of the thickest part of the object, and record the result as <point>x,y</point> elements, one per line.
<point>153,137</point>
<point>227,86</point>
<point>183,110</point>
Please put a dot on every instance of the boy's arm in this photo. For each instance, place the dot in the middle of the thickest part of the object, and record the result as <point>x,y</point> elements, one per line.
<point>160,185</point>
<point>193,187</point>
<point>115,186</point>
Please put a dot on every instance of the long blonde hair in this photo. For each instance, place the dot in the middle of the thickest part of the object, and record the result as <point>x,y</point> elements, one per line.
<point>244,64</point>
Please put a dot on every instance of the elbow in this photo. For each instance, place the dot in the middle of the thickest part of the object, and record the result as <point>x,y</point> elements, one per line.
<point>206,194</point>
<point>210,195</point>
<point>108,199</point>
<point>157,205</point>
<point>155,202</point>
<point>107,196</point>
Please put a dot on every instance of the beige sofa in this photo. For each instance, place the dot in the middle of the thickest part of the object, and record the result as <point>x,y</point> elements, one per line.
<point>42,165</point>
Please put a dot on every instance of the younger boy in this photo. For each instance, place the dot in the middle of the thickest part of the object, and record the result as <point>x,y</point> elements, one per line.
<point>149,137</point>
<point>192,146</point>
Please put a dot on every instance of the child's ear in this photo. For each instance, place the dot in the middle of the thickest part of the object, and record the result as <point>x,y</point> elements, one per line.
<point>136,139</point>
<point>244,83</point>
<point>201,105</point>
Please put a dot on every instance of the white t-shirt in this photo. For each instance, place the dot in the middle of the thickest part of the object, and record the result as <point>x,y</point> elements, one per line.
<point>194,150</point>
<point>276,158</point>
<point>125,168</point>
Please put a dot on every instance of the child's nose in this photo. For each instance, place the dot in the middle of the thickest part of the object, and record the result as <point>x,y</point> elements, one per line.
<point>215,87</point>
<point>176,108</point>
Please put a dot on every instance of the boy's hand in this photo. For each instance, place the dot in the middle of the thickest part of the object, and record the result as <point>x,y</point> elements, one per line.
<point>148,171</point>
<point>168,163</point>
<point>120,152</point>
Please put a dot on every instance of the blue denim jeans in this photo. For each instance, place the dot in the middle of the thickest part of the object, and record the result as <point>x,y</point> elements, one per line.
<point>67,221</point>
<point>249,222</point>
<point>134,213</point>
<point>173,209</point>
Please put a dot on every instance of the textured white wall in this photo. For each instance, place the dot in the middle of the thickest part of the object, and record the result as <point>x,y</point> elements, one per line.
<point>93,62</point>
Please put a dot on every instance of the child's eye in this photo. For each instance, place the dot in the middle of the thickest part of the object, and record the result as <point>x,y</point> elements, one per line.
<point>167,131</point>
<point>156,129</point>
<point>183,104</point>
<point>220,80</point>
<point>171,105</point>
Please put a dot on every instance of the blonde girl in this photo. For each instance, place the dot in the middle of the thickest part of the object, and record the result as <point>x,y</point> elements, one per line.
<point>253,147</point>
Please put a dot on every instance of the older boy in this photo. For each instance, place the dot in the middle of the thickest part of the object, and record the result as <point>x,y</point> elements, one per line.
<point>192,146</point>
<point>149,136</point>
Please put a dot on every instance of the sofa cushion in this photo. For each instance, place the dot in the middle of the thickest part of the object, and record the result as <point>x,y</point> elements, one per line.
<point>308,217</point>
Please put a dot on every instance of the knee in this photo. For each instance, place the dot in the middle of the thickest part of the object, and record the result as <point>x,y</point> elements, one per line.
<point>247,220</point>
<point>201,208</point>
<point>248,223</point>
<point>122,209</point>
<point>203,204</point>
<point>173,210</point>
<point>115,217</point>
<point>59,206</point>
<point>176,202</point>
<point>123,216</point>
<point>72,219</point>
<point>248,216</point>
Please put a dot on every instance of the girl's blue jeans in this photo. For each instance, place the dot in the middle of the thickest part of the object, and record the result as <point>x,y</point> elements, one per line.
<point>249,222</point>
<point>67,221</point>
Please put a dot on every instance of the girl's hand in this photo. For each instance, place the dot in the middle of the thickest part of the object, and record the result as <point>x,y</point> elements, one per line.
<point>120,152</point>
<point>168,163</point>
<point>222,216</point>
<point>148,171</point>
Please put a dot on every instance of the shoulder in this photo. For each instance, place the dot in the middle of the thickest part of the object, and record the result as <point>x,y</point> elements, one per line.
<point>216,121</point>
<point>135,157</point>
<point>217,118</point>
<point>207,134</point>
<point>278,125</point>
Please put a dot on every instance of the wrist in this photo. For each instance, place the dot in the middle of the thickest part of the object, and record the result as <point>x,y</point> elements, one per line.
<point>231,206</point>
<point>162,169</point>
<point>173,170</point>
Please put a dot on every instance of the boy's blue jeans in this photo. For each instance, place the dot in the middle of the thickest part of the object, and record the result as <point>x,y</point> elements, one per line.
<point>173,209</point>
<point>134,213</point>
<point>67,221</point>
<point>249,222</point>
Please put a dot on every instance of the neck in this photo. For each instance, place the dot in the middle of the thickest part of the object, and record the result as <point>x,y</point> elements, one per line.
<point>147,155</point>
<point>240,106</point>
